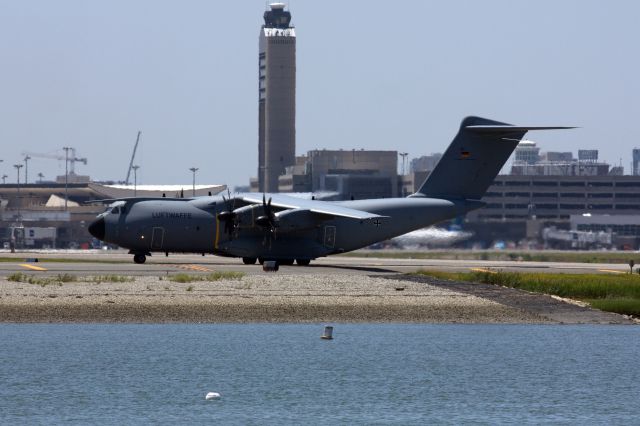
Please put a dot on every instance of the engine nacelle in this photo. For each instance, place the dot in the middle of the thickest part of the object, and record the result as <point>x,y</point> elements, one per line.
<point>296,220</point>
<point>246,216</point>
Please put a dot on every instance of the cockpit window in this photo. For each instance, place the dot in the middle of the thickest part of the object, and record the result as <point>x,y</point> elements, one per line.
<point>115,210</point>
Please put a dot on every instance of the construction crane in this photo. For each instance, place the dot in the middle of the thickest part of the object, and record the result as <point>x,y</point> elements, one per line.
<point>135,147</point>
<point>72,158</point>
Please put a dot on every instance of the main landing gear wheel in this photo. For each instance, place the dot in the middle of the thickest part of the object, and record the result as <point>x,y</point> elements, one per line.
<point>249,260</point>
<point>303,262</point>
<point>261,260</point>
<point>286,261</point>
<point>139,258</point>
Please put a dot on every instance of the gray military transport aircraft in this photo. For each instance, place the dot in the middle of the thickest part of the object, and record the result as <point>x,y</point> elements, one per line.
<point>283,229</point>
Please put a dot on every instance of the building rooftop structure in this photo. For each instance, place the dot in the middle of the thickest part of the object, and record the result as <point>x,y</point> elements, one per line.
<point>350,173</point>
<point>529,161</point>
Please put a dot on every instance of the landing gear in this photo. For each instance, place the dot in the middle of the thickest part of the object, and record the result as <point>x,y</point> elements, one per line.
<point>270,266</point>
<point>139,258</point>
<point>303,262</point>
<point>249,260</point>
<point>261,260</point>
<point>286,261</point>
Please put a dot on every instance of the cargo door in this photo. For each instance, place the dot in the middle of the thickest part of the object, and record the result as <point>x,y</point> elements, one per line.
<point>157,237</point>
<point>329,236</point>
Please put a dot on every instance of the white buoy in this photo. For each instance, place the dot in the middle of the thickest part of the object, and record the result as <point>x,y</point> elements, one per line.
<point>328,333</point>
<point>212,395</point>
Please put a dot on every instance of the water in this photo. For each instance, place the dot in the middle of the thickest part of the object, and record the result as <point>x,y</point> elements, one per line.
<point>285,374</point>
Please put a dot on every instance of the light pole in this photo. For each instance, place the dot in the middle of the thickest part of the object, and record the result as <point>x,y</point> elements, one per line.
<point>4,179</point>
<point>26,169</point>
<point>40,177</point>
<point>66,176</point>
<point>194,170</point>
<point>135,180</point>
<point>18,166</point>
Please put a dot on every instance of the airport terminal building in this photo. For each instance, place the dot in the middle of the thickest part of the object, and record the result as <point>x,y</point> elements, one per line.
<point>55,215</point>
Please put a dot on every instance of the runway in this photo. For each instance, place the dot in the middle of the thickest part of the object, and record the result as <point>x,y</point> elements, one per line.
<point>88,263</point>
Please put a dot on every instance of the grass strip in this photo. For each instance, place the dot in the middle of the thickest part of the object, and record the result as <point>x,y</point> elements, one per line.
<point>618,257</point>
<point>111,279</point>
<point>214,276</point>
<point>612,293</point>
<point>41,281</point>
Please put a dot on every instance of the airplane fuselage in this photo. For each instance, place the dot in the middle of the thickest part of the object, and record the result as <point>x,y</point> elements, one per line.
<point>193,226</point>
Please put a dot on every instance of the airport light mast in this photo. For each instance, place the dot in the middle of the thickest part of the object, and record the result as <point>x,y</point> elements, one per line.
<point>194,170</point>
<point>26,169</point>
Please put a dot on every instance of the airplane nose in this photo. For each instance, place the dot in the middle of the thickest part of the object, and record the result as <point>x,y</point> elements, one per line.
<point>97,228</point>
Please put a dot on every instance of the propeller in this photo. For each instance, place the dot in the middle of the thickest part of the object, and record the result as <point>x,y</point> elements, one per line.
<point>268,221</point>
<point>228,216</point>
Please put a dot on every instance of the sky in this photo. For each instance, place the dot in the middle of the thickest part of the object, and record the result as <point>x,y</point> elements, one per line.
<point>370,74</point>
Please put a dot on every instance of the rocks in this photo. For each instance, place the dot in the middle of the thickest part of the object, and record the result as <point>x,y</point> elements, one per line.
<point>255,298</point>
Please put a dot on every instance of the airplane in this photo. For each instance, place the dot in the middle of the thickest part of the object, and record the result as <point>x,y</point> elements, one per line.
<point>283,229</point>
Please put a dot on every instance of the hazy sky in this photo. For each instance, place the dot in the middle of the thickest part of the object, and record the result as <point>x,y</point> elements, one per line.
<point>371,74</point>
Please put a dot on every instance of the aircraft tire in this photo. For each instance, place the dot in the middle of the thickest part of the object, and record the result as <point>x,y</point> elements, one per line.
<point>261,260</point>
<point>249,260</point>
<point>303,262</point>
<point>139,258</point>
<point>286,261</point>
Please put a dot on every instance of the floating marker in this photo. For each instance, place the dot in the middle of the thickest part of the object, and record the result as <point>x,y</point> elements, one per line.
<point>212,395</point>
<point>328,333</point>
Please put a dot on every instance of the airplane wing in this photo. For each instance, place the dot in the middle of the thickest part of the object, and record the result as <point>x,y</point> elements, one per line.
<point>318,207</point>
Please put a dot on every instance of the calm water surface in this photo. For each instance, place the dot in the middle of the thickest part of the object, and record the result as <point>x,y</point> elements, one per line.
<point>391,373</point>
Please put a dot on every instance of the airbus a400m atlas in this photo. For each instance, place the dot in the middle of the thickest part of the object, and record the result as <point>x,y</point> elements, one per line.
<point>284,229</point>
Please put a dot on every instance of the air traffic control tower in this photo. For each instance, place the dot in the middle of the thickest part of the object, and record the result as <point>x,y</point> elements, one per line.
<point>276,97</point>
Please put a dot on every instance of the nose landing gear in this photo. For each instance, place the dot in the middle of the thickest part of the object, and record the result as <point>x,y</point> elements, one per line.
<point>139,257</point>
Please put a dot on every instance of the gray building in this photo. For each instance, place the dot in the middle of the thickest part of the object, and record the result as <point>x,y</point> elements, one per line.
<point>558,197</point>
<point>276,97</point>
<point>426,163</point>
<point>350,173</point>
<point>636,162</point>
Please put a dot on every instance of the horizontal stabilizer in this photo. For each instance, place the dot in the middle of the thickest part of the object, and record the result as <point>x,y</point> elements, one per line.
<point>511,129</point>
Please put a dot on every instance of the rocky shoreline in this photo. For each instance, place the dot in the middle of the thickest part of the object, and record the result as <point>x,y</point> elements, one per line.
<point>282,298</point>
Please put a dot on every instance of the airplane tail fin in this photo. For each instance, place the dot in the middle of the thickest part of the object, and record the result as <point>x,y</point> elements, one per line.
<point>473,159</point>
